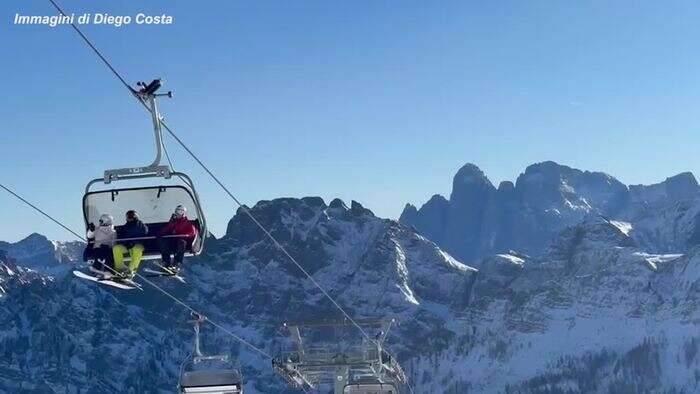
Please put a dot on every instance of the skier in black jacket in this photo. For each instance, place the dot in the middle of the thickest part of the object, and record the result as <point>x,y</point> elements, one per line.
<point>133,228</point>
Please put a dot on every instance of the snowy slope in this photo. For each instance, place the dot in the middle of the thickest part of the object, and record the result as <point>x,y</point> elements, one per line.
<point>596,312</point>
<point>594,315</point>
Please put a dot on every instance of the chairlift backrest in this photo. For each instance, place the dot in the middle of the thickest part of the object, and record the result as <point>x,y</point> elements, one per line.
<point>370,387</point>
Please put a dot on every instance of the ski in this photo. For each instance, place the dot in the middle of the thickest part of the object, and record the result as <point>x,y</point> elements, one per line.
<point>163,271</point>
<point>120,284</point>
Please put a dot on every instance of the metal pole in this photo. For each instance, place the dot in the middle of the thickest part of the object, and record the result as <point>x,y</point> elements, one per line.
<point>340,380</point>
<point>197,351</point>
<point>156,129</point>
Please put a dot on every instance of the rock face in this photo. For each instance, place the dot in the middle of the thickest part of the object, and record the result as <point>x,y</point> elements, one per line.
<point>594,312</point>
<point>37,251</point>
<point>479,220</point>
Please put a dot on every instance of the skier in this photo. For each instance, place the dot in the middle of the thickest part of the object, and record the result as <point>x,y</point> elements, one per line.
<point>185,233</point>
<point>89,253</point>
<point>133,228</point>
<point>103,238</point>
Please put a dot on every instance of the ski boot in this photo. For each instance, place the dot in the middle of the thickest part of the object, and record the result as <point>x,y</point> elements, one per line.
<point>98,267</point>
<point>173,270</point>
<point>125,275</point>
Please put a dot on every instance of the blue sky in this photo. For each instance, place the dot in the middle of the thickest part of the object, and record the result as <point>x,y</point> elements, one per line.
<point>377,101</point>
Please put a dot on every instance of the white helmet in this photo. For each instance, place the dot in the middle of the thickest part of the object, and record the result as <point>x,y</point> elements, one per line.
<point>106,220</point>
<point>180,211</point>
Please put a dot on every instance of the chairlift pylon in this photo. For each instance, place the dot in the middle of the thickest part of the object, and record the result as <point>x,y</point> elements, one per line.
<point>156,202</point>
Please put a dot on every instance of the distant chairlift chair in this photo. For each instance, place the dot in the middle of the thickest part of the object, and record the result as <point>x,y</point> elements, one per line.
<point>208,374</point>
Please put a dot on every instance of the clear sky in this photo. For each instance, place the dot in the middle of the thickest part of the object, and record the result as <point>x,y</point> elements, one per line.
<point>377,101</point>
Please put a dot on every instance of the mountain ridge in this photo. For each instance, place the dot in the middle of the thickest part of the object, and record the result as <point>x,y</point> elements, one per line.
<point>479,220</point>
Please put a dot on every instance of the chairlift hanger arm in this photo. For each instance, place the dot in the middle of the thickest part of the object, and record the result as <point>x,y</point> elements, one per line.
<point>147,96</point>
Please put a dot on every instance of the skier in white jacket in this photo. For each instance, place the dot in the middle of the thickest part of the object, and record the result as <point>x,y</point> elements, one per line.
<point>104,238</point>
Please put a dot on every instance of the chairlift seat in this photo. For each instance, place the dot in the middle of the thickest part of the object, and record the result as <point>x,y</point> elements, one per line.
<point>211,382</point>
<point>150,241</point>
<point>155,205</point>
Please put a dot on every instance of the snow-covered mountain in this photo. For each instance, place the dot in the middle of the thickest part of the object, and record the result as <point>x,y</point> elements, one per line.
<point>62,333</point>
<point>479,219</point>
<point>594,315</point>
<point>36,251</point>
<point>595,311</point>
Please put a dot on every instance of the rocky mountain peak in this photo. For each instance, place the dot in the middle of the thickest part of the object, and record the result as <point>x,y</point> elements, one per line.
<point>468,181</point>
<point>357,209</point>
<point>543,176</point>
<point>338,204</point>
<point>678,187</point>
<point>506,186</point>
<point>682,186</point>
<point>471,173</point>
<point>409,214</point>
<point>34,238</point>
<point>437,200</point>
<point>273,213</point>
<point>431,218</point>
<point>552,185</point>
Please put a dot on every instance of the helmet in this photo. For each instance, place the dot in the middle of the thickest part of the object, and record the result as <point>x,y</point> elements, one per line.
<point>180,211</point>
<point>106,220</point>
<point>132,214</point>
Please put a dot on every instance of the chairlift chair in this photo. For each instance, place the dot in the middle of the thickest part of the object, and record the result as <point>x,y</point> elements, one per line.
<point>370,385</point>
<point>208,374</point>
<point>154,203</point>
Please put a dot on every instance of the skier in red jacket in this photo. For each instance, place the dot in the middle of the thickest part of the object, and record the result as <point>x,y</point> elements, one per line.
<point>185,233</point>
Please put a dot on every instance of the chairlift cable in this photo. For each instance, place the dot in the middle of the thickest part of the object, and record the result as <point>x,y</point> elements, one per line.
<point>167,156</point>
<point>42,212</point>
<point>167,293</point>
<point>216,179</point>
<point>91,45</point>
